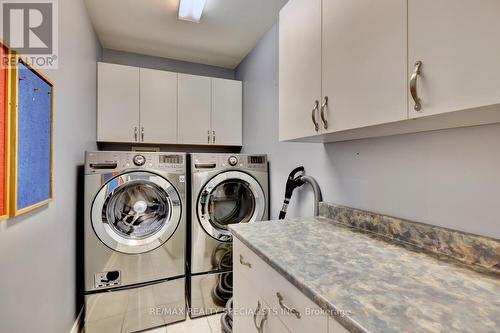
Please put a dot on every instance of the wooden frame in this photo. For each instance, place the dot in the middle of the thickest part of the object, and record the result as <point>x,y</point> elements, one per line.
<point>7,153</point>
<point>14,140</point>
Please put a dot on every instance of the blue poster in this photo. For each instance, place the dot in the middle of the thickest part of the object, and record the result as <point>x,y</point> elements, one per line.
<point>34,131</point>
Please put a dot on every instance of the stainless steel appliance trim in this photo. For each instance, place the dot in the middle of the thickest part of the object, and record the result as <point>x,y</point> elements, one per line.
<point>135,246</point>
<point>257,191</point>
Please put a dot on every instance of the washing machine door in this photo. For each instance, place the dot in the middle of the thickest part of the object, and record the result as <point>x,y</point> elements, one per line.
<point>136,212</point>
<point>229,198</point>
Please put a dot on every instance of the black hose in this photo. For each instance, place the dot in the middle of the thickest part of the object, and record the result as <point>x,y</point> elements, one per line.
<point>294,180</point>
<point>226,320</point>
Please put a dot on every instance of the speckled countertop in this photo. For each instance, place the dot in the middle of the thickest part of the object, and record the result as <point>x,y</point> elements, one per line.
<point>383,287</point>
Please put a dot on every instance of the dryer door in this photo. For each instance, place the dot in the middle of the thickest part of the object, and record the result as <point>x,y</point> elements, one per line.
<point>229,198</point>
<point>136,212</point>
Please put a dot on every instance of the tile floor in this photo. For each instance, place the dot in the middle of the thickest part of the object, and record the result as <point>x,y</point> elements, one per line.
<point>209,324</point>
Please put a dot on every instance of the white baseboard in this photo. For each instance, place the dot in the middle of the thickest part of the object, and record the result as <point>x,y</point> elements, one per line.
<point>78,325</point>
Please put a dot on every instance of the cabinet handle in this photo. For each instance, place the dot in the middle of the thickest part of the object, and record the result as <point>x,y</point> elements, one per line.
<point>208,136</point>
<point>286,308</point>
<point>323,117</point>
<point>142,134</point>
<point>413,86</point>
<point>315,109</point>
<point>213,137</point>
<point>136,133</point>
<point>259,327</point>
<point>245,263</point>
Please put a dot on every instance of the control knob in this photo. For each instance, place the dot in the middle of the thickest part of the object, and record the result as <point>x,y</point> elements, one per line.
<point>232,161</point>
<point>139,160</point>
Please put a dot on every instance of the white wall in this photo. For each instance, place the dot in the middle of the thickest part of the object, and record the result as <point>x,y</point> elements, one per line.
<point>165,64</point>
<point>39,278</point>
<point>449,178</point>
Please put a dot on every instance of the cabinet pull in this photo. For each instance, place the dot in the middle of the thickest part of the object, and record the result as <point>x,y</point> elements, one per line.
<point>323,116</point>
<point>142,134</point>
<point>208,136</point>
<point>136,133</point>
<point>245,263</point>
<point>259,327</point>
<point>286,308</point>
<point>315,109</point>
<point>213,137</point>
<point>413,86</point>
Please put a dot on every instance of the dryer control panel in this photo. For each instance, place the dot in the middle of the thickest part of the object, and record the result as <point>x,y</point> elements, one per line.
<point>205,162</point>
<point>99,162</point>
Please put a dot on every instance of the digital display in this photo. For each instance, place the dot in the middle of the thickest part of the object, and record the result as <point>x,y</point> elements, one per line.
<point>256,160</point>
<point>171,159</point>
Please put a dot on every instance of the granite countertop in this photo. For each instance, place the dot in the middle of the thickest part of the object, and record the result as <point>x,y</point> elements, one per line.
<point>382,287</point>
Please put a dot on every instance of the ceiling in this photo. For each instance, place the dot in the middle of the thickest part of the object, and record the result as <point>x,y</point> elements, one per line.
<point>228,31</point>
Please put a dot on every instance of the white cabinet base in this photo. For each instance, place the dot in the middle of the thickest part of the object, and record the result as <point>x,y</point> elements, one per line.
<point>467,118</point>
<point>335,327</point>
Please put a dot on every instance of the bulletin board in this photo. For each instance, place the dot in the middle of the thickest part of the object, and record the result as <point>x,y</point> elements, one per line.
<point>32,141</point>
<point>4,126</point>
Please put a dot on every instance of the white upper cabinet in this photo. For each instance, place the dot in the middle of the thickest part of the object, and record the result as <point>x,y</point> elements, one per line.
<point>194,110</point>
<point>386,67</point>
<point>226,112</point>
<point>158,105</point>
<point>299,69</point>
<point>458,43</point>
<point>118,103</point>
<point>364,63</point>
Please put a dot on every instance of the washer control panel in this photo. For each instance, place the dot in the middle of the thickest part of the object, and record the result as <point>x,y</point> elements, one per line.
<point>107,279</point>
<point>101,162</point>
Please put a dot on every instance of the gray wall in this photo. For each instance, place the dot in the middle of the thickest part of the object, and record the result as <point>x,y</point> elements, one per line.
<point>38,251</point>
<point>449,178</point>
<point>140,60</point>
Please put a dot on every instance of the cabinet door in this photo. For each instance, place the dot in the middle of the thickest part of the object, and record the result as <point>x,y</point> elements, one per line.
<point>299,68</point>
<point>458,43</point>
<point>158,106</point>
<point>194,110</point>
<point>335,327</point>
<point>272,324</point>
<point>117,103</point>
<point>364,62</point>
<point>246,287</point>
<point>227,112</point>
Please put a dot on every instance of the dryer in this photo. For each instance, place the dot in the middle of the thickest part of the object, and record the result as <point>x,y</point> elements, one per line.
<point>226,189</point>
<point>135,229</point>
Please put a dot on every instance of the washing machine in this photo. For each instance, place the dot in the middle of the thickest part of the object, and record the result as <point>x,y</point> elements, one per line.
<point>135,236</point>
<point>226,189</point>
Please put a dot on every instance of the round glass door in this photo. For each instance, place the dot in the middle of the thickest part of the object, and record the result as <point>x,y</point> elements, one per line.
<point>136,212</point>
<point>229,198</point>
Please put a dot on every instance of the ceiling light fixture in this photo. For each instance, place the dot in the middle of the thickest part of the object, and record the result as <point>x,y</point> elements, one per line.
<point>191,10</point>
